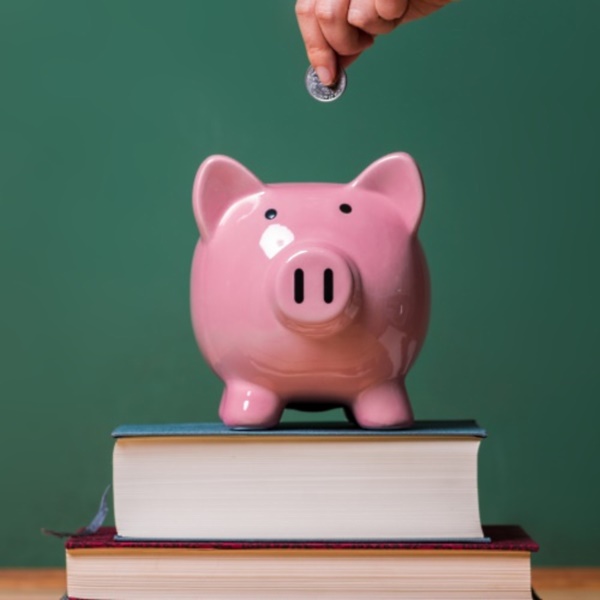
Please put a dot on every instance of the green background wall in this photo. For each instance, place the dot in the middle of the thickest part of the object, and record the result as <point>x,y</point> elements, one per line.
<point>108,107</point>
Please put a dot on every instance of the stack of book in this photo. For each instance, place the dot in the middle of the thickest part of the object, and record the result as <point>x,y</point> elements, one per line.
<point>323,512</point>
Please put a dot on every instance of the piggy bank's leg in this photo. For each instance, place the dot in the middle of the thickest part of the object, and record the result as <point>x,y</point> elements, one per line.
<point>248,406</point>
<point>383,406</point>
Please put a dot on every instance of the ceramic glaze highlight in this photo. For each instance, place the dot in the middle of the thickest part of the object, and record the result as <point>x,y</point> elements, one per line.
<point>310,294</point>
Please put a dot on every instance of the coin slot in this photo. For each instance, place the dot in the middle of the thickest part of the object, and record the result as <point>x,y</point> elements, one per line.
<point>299,286</point>
<point>328,286</point>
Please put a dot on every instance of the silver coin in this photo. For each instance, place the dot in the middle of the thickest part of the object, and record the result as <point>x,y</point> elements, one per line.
<point>325,93</point>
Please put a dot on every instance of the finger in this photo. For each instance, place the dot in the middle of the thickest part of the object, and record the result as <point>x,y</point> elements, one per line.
<point>391,10</point>
<point>363,15</point>
<point>345,39</point>
<point>320,54</point>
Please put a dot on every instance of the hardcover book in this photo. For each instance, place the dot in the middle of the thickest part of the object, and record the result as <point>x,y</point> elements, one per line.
<point>333,482</point>
<point>102,568</point>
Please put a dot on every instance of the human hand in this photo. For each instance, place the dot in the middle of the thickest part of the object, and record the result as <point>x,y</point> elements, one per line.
<point>336,32</point>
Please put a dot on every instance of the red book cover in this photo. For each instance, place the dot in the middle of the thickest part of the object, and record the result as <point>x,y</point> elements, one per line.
<point>502,537</point>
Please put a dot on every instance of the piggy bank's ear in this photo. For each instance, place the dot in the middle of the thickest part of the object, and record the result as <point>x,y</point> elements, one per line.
<point>220,182</point>
<point>396,176</point>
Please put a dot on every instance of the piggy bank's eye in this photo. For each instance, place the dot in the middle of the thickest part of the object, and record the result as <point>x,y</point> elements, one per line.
<point>345,208</point>
<point>271,214</point>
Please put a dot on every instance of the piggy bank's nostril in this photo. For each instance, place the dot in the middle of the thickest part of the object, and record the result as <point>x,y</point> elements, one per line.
<point>299,286</point>
<point>328,286</point>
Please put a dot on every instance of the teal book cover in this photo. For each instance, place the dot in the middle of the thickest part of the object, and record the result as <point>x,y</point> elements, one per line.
<point>458,428</point>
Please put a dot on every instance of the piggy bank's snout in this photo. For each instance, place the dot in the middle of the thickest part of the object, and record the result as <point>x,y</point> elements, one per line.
<point>315,291</point>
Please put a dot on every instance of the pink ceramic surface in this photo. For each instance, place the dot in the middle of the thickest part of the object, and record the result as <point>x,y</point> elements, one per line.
<point>310,294</point>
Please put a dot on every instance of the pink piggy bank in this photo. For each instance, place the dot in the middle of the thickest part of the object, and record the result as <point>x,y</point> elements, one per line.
<point>310,295</point>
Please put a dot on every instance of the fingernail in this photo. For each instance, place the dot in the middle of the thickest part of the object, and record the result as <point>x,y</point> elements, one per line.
<point>324,75</point>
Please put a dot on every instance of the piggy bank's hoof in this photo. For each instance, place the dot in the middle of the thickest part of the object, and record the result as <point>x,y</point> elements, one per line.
<point>385,406</point>
<point>248,406</point>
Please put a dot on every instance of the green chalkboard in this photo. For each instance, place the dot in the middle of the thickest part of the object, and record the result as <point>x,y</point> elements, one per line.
<point>106,110</point>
